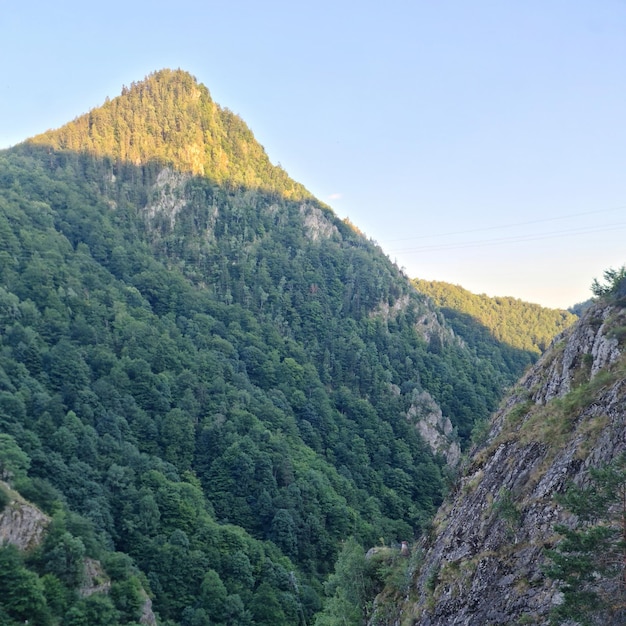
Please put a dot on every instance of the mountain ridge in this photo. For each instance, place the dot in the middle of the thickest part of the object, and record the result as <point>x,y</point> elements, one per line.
<point>485,559</point>
<point>170,117</point>
<point>207,378</point>
<point>520,324</point>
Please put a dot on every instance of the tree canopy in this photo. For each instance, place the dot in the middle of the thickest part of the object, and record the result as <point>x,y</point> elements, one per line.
<point>507,331</point>
<point>589,562</point>
<point>205,375</point>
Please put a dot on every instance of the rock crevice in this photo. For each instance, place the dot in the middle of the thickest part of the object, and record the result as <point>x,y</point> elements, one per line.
<point>483,563</point>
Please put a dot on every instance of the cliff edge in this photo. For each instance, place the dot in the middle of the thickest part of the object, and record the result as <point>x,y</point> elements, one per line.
<point>484,560</point>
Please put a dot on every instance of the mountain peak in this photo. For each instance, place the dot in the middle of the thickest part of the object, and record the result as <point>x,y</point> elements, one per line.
<point>170,117</point>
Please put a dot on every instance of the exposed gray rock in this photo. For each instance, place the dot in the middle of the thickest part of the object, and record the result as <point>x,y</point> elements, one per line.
<point>434,428</point>
<point>584,345</point>
<point>482,563</point>
<point>94,578</point>
<point>147,615</point>
<point>317,223</point>
<point>21,523</point>
<point>389,311</point>
<point>168,195</point>
<point>429,326</point>
<point>96,581</point>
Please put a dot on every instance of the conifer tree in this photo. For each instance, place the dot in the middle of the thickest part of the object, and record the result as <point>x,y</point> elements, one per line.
<point>590,561</point>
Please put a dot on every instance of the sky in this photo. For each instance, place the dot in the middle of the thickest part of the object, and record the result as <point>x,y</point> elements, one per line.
<point>480,143</point>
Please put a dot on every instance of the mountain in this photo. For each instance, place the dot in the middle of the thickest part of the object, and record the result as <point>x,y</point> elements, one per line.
<point>208,381</point>
<point>171,119</point>
<point>510,333</point>
<point>533,531</point>
<point>521,325</point>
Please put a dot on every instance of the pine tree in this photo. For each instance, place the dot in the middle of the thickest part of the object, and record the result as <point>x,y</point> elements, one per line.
<point>590,561</point>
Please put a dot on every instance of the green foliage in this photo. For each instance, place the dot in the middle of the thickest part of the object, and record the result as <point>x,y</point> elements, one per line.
<point>94,610</point>
<point>127,598</point>
<point>580,307</point>
<point>21,591</point>
<point>347,589</point>
<point>211,372</point>
<point>590,561</point>
<point>614,283</point>
<point>179,125</point>
<point>14,462</point>
<point>504,506</point>
<point>62,555</point>
<point>480,432</point>
<point>503,328</point>
<point>5,498</point>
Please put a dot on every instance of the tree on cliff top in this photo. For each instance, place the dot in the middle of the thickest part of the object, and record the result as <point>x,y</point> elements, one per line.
<point>615,283</point>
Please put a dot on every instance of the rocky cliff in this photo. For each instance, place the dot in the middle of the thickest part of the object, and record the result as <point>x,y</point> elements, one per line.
<point>21,523</point>
<point>483,561</point>
<point>24,525</point>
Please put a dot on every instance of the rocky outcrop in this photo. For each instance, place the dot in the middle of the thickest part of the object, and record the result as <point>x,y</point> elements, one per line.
<point>95,580</point>
<point>148,617</point>
<point>24,525</point>
<point>434,427</point>
<point>387,311</point>
<point>168,197</point>
<point>482,563</point>
<point>21,523</point>
<point>317,223</point>
<point>589,348</point>
<point>429,327</point>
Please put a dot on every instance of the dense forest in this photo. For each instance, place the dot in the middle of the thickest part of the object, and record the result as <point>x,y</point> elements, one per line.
<point>207,380</point>
<point>509,332</point>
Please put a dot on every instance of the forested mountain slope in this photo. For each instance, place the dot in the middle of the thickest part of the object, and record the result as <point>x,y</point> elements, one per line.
<point>171,118</point>
<point>533,533</point>
<point>516,323</point>
<point>207,379</point>
<point>509,332</point>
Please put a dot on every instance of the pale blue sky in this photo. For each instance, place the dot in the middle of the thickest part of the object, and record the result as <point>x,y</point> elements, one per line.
<point>482,143</point>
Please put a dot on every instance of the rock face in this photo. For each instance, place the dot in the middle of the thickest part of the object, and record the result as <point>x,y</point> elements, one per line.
<point>21,523</point>
<point>434,428</point>
<point>24,525</point>
<point>317,225</point>
<point>168,195</point>
<point>147,616</point>
<point>95,580</point>
<point>482,563</point>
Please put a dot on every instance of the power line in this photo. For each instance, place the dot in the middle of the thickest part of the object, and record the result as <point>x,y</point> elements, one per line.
<point>504,226</point>
<point>514,239</point>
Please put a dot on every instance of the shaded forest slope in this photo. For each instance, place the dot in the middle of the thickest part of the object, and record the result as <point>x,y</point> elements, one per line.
<point>509,332</point>
<point>489,556</point>
<point>207,379</point>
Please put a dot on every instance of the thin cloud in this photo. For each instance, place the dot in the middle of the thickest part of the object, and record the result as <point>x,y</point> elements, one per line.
<point>335,196</point>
